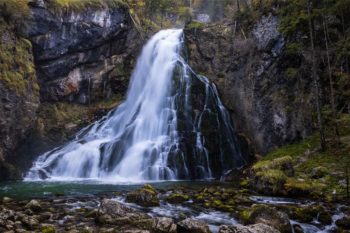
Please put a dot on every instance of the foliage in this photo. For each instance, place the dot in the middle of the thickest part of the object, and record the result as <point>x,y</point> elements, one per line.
<point>306,157</point>
<point>79,5</point>
<point>17,70</point>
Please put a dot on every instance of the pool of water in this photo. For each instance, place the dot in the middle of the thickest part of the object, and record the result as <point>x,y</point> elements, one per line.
<point>40,189</point>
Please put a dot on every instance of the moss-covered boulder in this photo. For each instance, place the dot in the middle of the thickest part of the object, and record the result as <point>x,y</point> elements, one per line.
<point>310,213</point>
<point>176,198</point>
<point>146,196</point>
<point>284,164</point>
<point>270,182</point>
<point>344,222</point>
<point>269,176</point>
<point>266,215</point>
<point>301,188</point>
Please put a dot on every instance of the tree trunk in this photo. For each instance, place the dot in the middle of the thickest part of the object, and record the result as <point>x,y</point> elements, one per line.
<point>316,81</point>
<point>334,113</point>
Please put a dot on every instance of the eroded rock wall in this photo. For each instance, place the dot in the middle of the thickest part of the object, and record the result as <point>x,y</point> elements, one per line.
<point>82,56</point>
<point>269,104</point>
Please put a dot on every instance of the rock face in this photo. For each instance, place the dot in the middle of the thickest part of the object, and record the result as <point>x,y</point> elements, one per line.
<point>19,95</point>
<point>82,56</point>
<point>270,103</point>
<point>71,55</point>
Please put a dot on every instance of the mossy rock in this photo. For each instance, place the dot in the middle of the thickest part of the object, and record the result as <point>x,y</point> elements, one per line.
<point>195,25</point>
<point>48,229</point>
<point>284,164</point>
<point>270,181</point>
<point>309,213</point>
<point>265,214</point>
<point>302,188</point>
<point>344,222</point>
<point>177,198</point>
<point>146,196</point>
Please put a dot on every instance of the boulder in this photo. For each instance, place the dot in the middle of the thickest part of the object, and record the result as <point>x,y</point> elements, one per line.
<point>177,198</point>
<point>268,216</point>
<point>34,205</point>
<point>192,226</point>
<point>256,228</point>
<point>343,222</point>
<point>113,208</point>
<point>146,196</point>
<point>164,225</point>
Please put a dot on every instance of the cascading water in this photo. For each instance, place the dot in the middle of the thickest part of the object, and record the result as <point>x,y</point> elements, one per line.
<point>171,126</point>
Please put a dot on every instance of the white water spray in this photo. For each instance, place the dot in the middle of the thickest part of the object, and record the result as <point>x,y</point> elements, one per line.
<point>140,140</point>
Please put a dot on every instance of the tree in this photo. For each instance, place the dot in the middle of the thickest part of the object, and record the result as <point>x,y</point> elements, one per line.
<point>316,79</point>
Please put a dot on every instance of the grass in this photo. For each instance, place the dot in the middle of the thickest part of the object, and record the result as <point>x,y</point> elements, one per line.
<point>81,5</point>
<point>194,25</point>
<point>306,156</point>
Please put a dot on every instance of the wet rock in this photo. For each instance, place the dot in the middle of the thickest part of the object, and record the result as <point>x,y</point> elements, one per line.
<point>30,222</point>
<point>263,112</point>
<point>324,217</point>
<point>164,225</point>
<point>192,226</point>
<point>6,199</point>
<point>343,222</point>
<point>113,208</point>
<point>256,228</point>
<point>34,205</point>
<point>298,229</point>
<point>176,198</point>
<point>146,196</point>
<point>269,216</point>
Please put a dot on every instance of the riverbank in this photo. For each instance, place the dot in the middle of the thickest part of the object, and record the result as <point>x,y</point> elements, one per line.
<point>171,207</point>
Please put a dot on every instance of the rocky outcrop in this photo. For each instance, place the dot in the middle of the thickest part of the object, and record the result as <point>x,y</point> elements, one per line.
<point>257,79</point>
<point>82,56</point>
<point>19,95</point>
<point>73,55</point>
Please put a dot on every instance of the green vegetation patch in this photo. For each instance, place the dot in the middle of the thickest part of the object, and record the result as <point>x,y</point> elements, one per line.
<point>316,173</point>
<point>80,5</point>
<point>195,25</point>
<point>17,71</point>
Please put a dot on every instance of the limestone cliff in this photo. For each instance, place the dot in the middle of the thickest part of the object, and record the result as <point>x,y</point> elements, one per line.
<point>82,56</point>
<point>58,55</point>
<point>270,104</point>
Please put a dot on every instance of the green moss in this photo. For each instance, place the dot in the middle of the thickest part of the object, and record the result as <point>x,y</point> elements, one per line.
<point>244,215</point>
<point>149,188</point>
<point>273,177</point>
<point>48,229</point>
<point>195,25</point>
<point>297,187</point>
<point>292,72</point>
<point>277,163</point>
<point>79,5</point>
<point>177,198</point>
<point>17,70</point>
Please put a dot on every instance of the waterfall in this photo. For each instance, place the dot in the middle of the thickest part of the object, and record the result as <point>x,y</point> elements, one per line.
<point>171,126</point>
